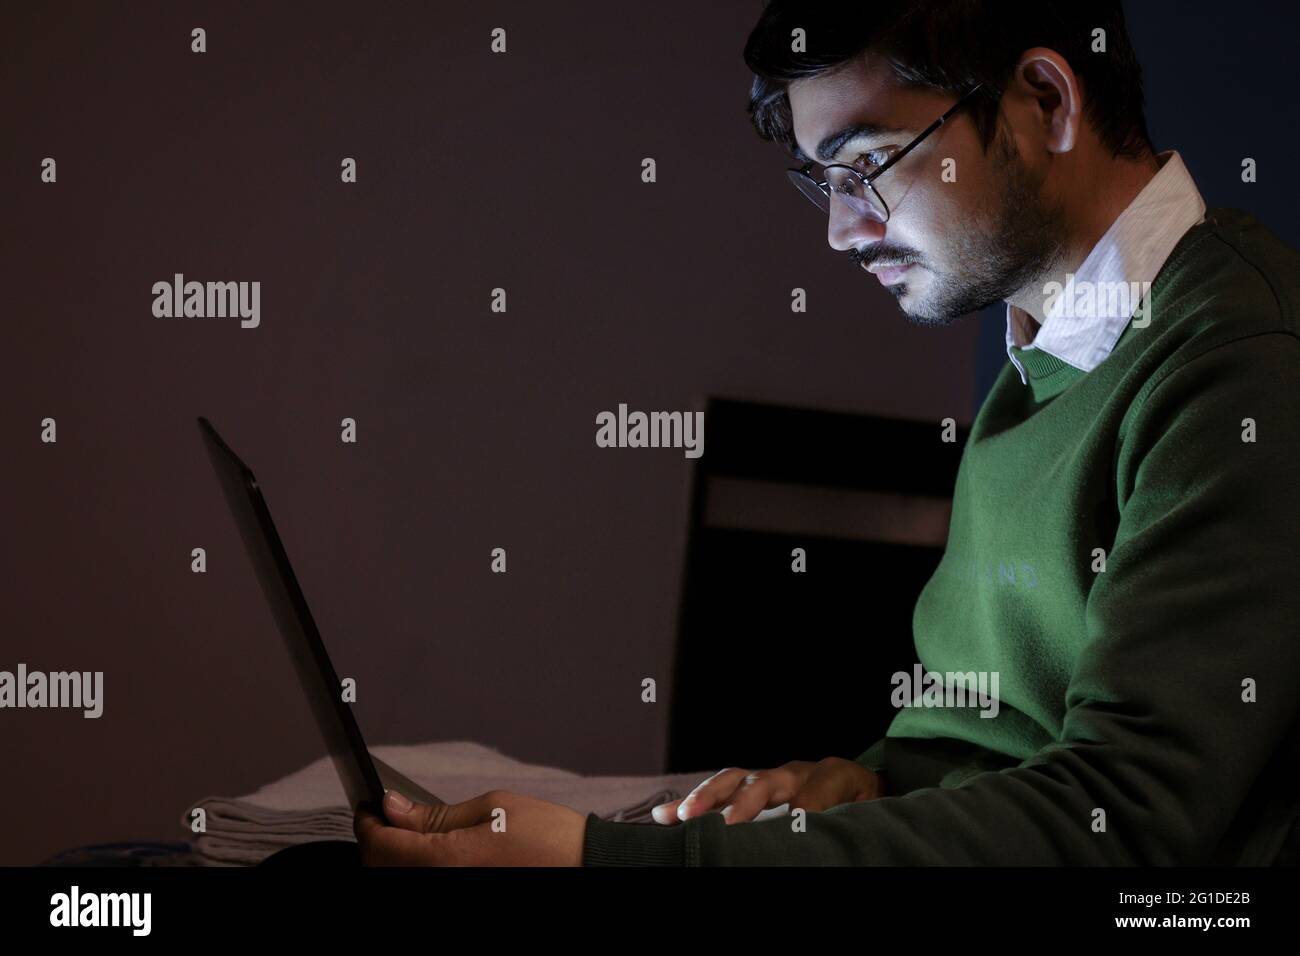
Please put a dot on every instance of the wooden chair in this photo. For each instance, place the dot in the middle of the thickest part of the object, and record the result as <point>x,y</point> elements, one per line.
<point>775,665</point>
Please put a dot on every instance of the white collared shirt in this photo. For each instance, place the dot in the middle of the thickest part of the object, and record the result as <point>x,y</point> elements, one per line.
<point>1132,251</point>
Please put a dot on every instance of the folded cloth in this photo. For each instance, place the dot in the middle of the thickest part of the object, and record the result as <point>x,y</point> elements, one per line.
<point>310,804</point>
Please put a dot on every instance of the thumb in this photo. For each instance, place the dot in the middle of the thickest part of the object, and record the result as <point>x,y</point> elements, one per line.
<point>405,815</point>
<point>434,817</point>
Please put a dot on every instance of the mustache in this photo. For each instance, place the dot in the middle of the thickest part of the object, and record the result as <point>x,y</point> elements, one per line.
<point>890,254</point>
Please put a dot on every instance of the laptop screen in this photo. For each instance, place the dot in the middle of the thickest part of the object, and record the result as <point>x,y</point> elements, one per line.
<point>320,682</point>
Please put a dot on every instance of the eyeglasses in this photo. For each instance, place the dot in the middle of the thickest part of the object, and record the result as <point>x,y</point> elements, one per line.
<point>851,185</point>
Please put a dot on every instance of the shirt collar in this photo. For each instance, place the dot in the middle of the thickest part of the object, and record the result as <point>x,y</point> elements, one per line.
<point>1084,322</point>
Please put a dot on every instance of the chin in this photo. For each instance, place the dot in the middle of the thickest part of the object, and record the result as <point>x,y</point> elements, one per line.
<point>907,300</point>
<point>910,296</point>
<point>918,310</point>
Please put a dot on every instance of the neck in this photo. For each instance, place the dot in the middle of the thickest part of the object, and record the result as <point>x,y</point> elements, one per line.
<point>1091,209</point>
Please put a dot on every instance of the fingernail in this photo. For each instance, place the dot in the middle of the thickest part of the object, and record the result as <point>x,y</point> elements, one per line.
<point>397,802</point>
<point>660,813</point>
<point>681,808</point>
<point>727,811</point>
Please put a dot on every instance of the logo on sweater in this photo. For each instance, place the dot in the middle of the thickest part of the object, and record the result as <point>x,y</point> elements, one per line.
<point>925,688</point>
<point>1006,574</point>
<point>1081,299</point>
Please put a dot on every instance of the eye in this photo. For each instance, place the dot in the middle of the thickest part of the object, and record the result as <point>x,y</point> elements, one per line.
<point>873,159</point>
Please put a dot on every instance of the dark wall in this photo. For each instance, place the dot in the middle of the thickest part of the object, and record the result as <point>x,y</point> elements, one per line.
<point>476,430</point>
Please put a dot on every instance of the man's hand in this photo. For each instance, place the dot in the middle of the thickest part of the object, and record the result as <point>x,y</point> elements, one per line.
<point>800,783</point>
<point>536,833</point>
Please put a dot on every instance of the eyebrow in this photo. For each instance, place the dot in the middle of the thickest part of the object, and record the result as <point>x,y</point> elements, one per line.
<point>832,144</point>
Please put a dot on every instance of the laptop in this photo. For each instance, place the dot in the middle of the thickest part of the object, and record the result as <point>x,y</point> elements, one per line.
<point>364,776</point>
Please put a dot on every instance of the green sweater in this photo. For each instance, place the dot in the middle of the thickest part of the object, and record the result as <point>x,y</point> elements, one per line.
<point>1147,712</point>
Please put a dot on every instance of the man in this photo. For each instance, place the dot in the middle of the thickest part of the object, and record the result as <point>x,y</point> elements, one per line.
<point>1125,530</point>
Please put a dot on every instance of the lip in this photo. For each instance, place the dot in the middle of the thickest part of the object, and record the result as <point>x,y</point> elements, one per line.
<point>888,275</point>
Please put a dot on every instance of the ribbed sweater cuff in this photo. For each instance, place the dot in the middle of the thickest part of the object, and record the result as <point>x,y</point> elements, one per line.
<point>632,844</point>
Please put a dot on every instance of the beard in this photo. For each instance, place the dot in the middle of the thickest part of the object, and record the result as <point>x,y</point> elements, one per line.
<point>1017,242</point>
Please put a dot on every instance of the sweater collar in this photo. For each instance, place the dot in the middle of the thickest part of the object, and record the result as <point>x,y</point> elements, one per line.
<point>1044,373</point>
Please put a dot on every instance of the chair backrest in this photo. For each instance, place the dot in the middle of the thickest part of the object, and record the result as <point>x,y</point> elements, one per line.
<point>773,664</point>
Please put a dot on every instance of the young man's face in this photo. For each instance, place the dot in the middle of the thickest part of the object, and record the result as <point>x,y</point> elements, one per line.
<point>965,244</point>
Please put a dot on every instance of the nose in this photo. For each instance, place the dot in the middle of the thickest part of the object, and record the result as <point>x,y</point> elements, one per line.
<point>848,229</point>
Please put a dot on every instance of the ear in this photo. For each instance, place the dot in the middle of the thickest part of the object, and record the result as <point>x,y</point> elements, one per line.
<point>1047,84</point>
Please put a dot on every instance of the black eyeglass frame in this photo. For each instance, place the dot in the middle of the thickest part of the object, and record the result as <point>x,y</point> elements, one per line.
<point>871,177</point>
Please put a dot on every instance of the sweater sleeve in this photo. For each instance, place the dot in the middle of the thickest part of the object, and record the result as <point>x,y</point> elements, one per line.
<point>1182,694</point>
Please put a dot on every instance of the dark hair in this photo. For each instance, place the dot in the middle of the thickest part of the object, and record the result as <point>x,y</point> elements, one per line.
<point>950,45</point>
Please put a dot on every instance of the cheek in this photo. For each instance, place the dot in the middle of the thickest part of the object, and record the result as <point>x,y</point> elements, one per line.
<point>954,205</point>
<point>942,222</point>
<point>930,210</point>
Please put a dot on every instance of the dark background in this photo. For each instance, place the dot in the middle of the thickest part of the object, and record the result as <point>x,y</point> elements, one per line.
<point>476,429</point>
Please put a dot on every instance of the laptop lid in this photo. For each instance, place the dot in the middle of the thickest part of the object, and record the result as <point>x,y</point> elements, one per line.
<point>320,682</point>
